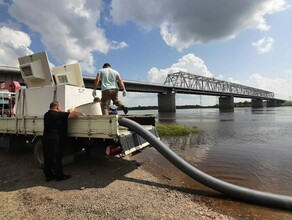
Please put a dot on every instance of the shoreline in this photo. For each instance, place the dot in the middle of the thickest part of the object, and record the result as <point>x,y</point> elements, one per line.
<point>110,188</point>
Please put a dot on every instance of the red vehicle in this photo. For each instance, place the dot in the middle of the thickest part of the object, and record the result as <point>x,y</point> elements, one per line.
<point>7,98</point>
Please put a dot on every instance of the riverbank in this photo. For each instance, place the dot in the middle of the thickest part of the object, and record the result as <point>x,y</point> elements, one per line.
<point>110,188</point>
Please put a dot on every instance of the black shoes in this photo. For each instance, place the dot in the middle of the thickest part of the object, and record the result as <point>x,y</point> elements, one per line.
<point>63,177</point>
<point>48,179</point>
<point>125,109</point>
<point>60,178</point>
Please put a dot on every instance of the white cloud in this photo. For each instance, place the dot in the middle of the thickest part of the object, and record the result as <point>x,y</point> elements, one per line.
<point>281,87</point>
<point>13,44</point>
<point>288,71</point>
<point>264,45</point>
<point>188,63</point>
<point>68,29</point>
<point>118,45</point>
<point>183,23</point>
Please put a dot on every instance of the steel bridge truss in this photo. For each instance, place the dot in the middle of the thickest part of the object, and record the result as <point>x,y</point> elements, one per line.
<point>197,82</point>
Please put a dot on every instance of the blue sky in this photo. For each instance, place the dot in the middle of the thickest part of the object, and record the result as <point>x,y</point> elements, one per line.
<point>247,42</point>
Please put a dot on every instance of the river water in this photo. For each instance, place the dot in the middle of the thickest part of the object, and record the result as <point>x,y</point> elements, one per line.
<point>247,147</point>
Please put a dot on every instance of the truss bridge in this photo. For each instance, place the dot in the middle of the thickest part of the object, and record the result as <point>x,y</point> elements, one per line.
<point>180,82</point>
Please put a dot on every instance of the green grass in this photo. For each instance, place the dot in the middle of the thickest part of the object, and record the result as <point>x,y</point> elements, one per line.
<point>174,130</point>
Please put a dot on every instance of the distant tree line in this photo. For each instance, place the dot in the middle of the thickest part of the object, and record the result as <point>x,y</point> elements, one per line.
<point>237,104</point>
<point>287,103</point>
<point>242,104</point>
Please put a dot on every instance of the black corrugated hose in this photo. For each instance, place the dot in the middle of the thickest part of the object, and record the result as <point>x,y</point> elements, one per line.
<point>234,191</point>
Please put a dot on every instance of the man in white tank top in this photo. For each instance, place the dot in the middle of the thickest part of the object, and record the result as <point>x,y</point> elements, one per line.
<point>110,81</point>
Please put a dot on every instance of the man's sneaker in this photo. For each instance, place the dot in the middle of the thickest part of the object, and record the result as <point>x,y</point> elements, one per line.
<point>63,177</point>
<point>125,109</point>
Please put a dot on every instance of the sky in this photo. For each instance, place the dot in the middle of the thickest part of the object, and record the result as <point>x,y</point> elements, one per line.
<point>247,42</point>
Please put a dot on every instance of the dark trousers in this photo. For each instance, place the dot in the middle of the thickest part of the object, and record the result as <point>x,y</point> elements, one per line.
<point>53,155</point>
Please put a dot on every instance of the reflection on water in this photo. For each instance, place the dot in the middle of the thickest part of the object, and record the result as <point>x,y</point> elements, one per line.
<point>192,148</point>
<point>247,147</point>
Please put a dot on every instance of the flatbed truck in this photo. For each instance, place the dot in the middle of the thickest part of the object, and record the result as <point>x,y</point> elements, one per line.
<point>98,134</point>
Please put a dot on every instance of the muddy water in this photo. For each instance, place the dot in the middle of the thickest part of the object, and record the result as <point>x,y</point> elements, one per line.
<point>247,147</point>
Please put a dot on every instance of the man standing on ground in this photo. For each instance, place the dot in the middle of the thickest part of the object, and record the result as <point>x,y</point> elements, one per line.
<point>110,81</point>
<point>54,136</point>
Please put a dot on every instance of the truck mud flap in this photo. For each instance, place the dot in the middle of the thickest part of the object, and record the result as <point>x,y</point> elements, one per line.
<point>133,142</point>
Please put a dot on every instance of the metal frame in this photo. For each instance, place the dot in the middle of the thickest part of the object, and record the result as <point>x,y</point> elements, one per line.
<point>197,82</point>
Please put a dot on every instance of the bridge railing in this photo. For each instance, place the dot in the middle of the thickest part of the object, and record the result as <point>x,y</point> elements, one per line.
<point>197,82</point>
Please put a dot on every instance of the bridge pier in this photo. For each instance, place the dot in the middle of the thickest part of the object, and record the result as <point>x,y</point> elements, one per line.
<point>166,102</point>
<point>257,103</point>
<point>274,103</point>
<point>226,102</point>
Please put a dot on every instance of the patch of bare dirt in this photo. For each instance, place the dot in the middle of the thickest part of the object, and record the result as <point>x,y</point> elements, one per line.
<point>110,188</point>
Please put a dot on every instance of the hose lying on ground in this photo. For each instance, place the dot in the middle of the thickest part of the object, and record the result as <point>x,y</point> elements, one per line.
<point>238,192</point>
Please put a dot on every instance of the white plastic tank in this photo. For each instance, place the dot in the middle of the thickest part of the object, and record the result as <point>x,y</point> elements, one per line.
<point>92,108</point>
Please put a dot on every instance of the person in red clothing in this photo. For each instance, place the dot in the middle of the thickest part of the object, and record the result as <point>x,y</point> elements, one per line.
<point>54,135</point>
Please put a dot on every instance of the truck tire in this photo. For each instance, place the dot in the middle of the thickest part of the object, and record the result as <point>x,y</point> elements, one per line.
<point>39,158</point>
<point>38,153</point>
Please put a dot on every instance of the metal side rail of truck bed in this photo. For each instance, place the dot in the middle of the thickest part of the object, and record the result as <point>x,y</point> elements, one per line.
<point>94,133</point>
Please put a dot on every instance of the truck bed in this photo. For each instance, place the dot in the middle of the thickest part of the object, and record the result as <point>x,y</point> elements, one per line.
<point>84,127</point>
<point>95,126</point>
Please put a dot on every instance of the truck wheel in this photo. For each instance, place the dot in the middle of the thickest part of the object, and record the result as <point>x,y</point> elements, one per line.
<point>38,153</point>
<point>39,158</point>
